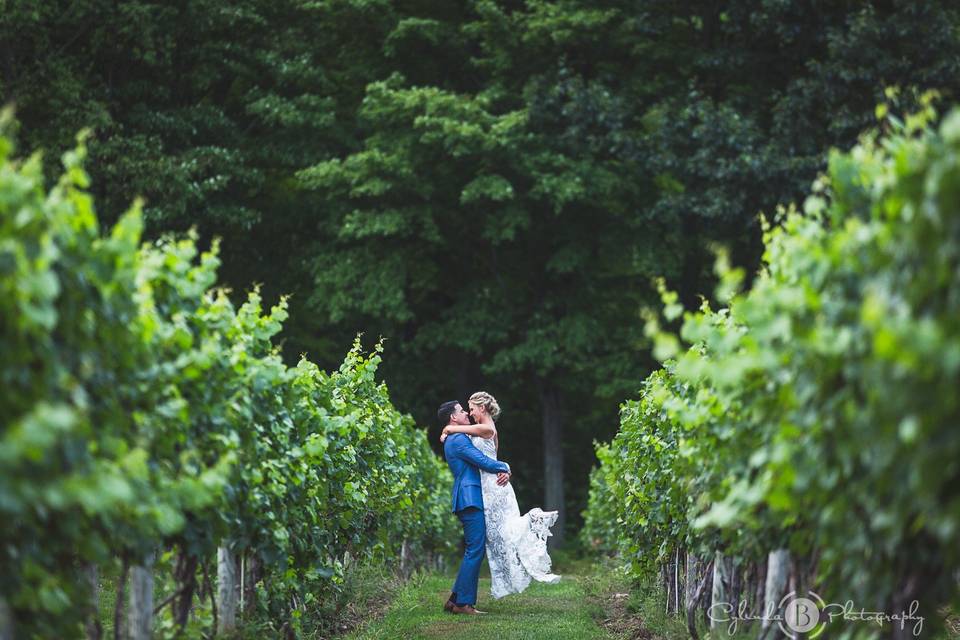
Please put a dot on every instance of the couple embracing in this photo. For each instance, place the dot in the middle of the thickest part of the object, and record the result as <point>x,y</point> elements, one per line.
<point>515,545</point>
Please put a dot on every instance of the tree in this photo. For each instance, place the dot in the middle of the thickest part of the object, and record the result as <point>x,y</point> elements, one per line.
<point>597,145</point>
<point>449,196</point>
<point>578,147</point>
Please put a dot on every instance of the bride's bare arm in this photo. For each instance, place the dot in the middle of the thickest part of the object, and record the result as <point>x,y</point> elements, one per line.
<point>484,429</point>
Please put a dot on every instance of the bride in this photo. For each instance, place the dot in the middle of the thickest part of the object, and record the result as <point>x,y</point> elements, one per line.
<point>516,545</point>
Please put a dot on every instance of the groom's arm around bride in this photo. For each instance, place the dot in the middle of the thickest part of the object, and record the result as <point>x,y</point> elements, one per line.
<point>463,448</point>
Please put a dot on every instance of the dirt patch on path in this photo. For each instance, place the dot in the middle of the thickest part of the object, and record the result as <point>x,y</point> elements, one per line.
<point>617,620</point>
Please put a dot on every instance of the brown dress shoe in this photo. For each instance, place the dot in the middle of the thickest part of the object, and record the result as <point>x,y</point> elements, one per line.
<point>448,606</point>
<point>468,609</point>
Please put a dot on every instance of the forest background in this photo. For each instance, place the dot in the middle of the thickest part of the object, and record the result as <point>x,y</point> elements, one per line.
<point>489,186</point>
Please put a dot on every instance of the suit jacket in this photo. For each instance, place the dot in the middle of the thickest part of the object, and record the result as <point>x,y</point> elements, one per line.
<point>465,462</point>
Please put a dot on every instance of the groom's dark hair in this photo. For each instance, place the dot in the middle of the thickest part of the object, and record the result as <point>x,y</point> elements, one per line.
<point>445,411</point>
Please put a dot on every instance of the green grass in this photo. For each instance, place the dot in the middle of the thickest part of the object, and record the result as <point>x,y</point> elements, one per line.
<point>562,612</point>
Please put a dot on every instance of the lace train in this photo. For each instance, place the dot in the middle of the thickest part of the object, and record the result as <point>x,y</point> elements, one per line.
<point>516,544</point>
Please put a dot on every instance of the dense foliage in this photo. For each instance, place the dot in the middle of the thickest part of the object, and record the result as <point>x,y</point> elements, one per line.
<point>143,411</point>
<point>817,411</point>
<point>489,185</point>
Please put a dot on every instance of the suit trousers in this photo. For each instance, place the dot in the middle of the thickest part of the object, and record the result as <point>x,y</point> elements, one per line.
<point>475,542</point>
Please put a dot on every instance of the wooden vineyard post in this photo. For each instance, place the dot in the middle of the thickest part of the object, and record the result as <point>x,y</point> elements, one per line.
<point>94,629</point>
<point>140,615</point>
<point>227,591</point>
<point>721,584</point>
<point>778,571</point>
<point>404,558</point>
<point>6,621</point>
<point>665,580</point>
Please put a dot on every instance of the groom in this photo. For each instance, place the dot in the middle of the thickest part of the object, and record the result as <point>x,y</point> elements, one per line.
<point>465,460</point>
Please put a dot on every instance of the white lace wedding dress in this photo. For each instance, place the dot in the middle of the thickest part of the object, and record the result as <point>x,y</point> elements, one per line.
<point>516,544</point>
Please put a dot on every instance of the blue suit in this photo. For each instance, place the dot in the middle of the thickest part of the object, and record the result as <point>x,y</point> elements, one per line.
<point>465,462</point>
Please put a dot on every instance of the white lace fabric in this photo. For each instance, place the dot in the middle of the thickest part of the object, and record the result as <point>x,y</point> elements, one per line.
<point>516,544</point>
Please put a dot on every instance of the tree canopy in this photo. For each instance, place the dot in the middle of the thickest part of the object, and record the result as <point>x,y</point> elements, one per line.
<point>490,186</point>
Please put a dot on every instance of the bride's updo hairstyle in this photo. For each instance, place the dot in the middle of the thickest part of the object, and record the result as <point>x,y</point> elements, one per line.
<point>488,402</point>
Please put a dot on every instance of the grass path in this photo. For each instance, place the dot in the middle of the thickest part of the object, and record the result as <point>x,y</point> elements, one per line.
<point>564,611</point>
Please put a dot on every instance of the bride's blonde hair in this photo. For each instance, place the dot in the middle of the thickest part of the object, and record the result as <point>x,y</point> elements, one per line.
<point>488,402</point>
